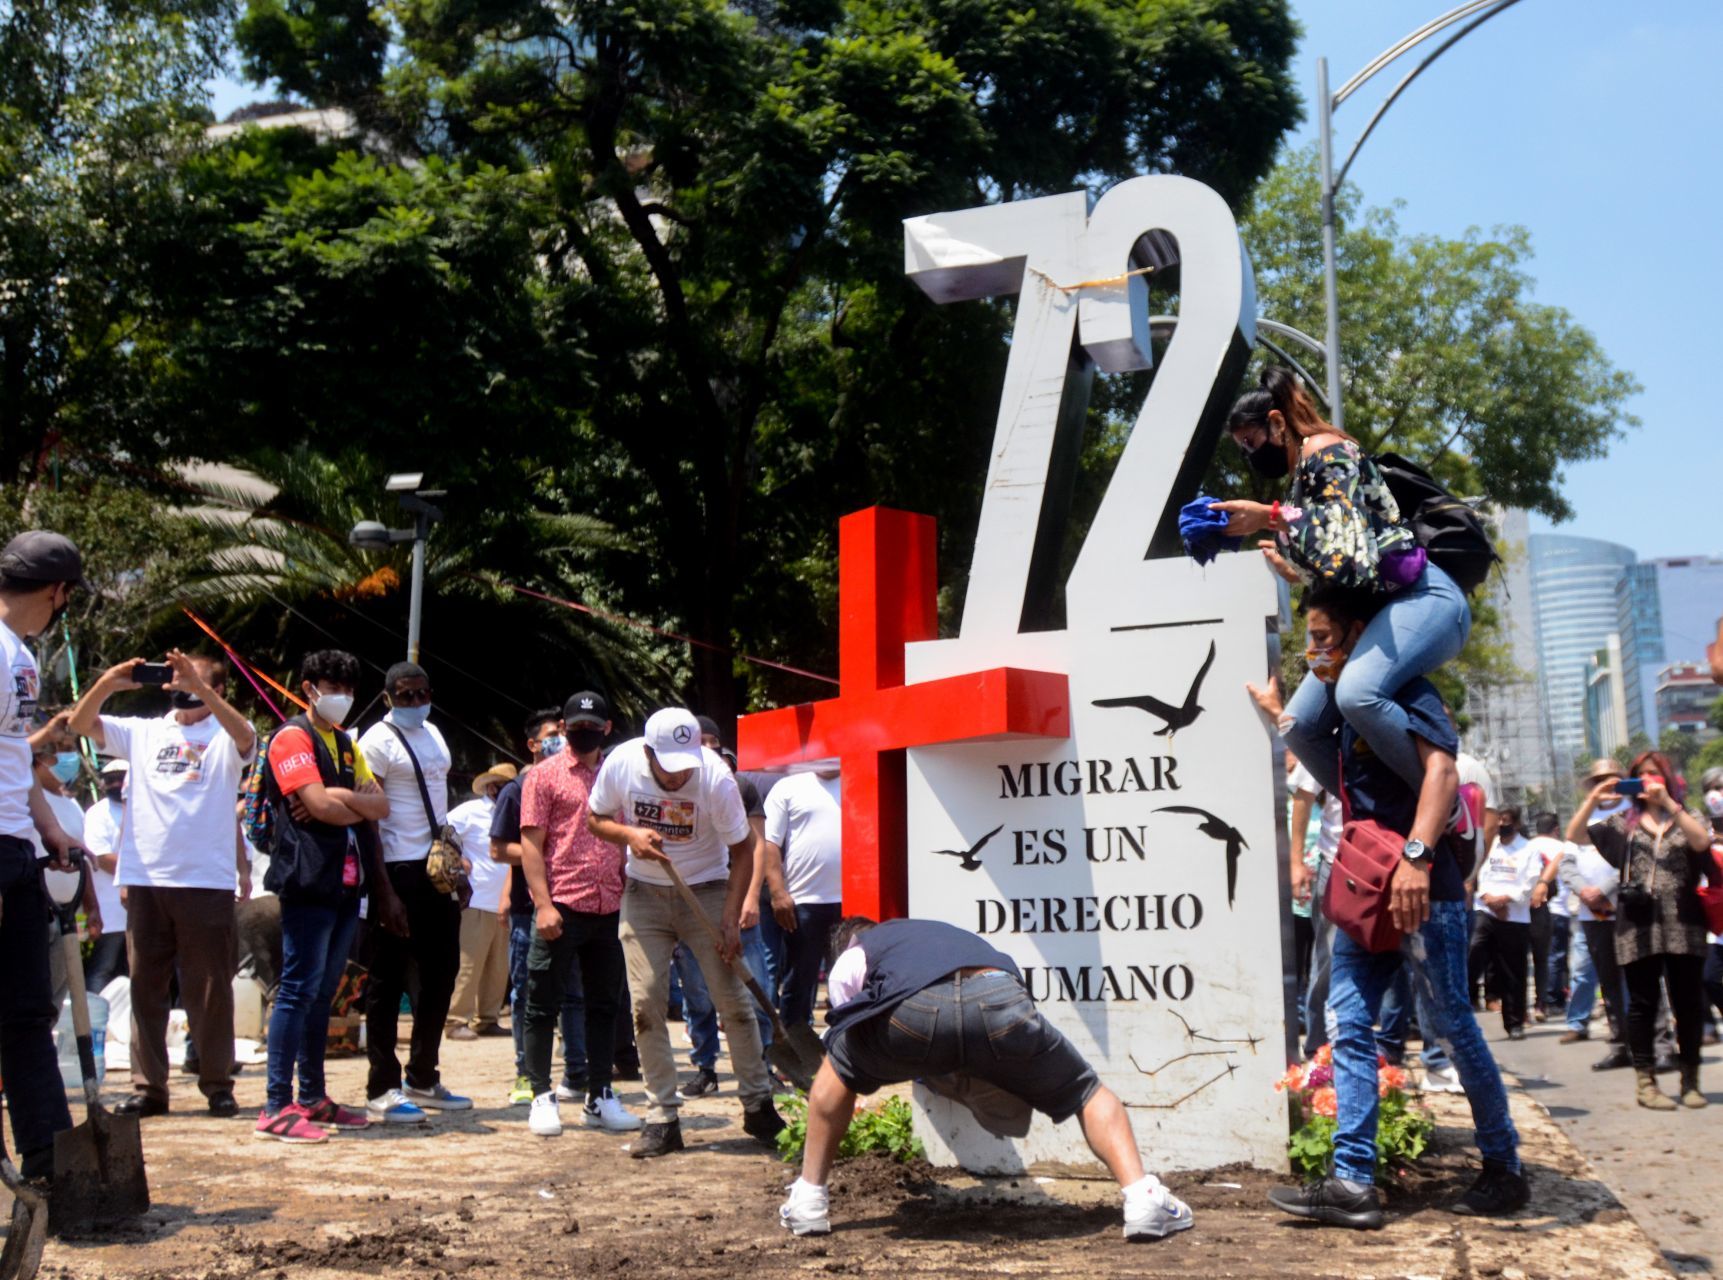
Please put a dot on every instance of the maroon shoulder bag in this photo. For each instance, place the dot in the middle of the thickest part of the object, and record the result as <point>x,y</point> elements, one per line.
<point>1356,899</point>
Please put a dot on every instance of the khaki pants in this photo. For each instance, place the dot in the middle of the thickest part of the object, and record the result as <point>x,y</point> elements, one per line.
<point>483,981</point>
<point>193,929</point>
<point>654,920</point>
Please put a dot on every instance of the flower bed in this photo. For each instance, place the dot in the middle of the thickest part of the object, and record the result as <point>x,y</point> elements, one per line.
<point>1403,1129</point>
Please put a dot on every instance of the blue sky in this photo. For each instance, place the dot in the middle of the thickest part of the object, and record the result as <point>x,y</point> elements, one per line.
<point>1594,125</point>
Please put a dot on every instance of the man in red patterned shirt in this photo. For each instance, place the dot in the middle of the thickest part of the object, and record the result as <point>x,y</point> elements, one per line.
<point>576,884</point>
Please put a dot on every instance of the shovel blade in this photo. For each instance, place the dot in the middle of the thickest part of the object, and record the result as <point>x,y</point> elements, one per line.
<point>22,1256</point>
<point>99,1171</point>
<point>797,1052</point>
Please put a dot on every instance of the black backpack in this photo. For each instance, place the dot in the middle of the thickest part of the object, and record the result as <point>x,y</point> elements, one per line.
<point>1450,530</point>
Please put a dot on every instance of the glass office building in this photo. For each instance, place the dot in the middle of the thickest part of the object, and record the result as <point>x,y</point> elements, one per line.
<point>1574,585</point>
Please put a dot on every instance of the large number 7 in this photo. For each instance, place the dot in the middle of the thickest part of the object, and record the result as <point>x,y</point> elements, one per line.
<point>1042,249</point>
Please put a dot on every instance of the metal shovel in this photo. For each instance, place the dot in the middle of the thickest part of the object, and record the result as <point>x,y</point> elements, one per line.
<point>796,1051</point>
<point>22,1256</point>
<point>98,1165</point>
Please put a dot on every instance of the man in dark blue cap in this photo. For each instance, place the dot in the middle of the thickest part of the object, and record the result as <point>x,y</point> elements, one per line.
<point>38,573</point>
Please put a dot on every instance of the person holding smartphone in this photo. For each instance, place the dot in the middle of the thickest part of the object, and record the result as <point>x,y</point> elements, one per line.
<point>1660,850</point>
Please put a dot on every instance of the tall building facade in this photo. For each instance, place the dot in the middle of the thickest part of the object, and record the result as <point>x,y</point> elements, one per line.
<point>1605,700</point>
<point>1666,612</point>
<point>1574,612</point>
<point>1508,729</point>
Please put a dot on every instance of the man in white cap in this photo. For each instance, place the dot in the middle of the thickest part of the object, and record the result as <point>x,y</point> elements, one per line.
<point>107,960</point>
<point>482,984</point>
<point>668,801</point>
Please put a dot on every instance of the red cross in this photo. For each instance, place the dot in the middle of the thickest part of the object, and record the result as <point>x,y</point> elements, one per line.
<point>886,598</point>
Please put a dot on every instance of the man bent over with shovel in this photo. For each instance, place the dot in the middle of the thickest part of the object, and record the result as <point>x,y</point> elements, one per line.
<point>918,999</point>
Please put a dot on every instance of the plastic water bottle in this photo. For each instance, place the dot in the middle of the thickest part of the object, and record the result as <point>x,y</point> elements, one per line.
<point>66,1037</point>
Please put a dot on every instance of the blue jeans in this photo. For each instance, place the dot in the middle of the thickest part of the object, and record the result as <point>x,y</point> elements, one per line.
<point>1395,1020</point>
<point>1419,629</point>
<point>1555,964</point>
<point>805,950</point>
<point>315,941</point>
<point>1582,997</point>
<point>772,939</point>
<point>1437,956</point>
<point>573,1016</point>
<point>698,1013</point>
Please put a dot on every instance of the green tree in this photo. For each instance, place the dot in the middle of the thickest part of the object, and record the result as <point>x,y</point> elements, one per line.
<point>723,355</point>
<point>97,102</point>
<point>1680,747</point>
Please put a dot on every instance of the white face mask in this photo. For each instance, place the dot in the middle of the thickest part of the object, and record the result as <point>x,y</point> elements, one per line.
<point>334,707</point>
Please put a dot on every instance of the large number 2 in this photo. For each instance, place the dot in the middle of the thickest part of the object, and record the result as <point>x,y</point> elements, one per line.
<point>1041,249</point>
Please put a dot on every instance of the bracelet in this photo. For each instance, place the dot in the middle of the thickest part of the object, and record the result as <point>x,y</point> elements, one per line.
<point>1274,513</point>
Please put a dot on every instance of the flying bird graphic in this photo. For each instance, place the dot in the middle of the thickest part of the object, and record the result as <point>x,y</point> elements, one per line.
<point>970,861</point>
<point>1176,717</point>
<point>1216,829</point>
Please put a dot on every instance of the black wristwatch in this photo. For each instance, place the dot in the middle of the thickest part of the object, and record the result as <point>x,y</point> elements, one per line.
<point>1417,853</point>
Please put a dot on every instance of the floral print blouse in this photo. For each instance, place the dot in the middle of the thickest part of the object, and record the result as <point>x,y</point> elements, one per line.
<point>1344,520</point>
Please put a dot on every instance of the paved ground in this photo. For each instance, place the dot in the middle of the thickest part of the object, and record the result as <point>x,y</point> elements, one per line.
<point>1662,1165</point>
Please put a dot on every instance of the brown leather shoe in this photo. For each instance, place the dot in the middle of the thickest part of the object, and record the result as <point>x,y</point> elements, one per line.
<point>1574,1037</point>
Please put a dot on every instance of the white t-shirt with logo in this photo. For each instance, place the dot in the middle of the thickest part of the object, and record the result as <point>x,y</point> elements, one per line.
<point>180,828</point>
<point>472,820</point>
<point>18,686</point>
<point>804,818</point>
<point>699,822</point>
<point>102,835</point>
<point>406,831</point>
<point>1512,870</point>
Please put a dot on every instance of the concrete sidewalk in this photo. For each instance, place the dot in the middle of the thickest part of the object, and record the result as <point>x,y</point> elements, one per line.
<point>1663,1165</point>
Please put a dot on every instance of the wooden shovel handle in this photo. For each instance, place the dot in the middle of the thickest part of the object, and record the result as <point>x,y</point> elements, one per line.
<point>741,971</point>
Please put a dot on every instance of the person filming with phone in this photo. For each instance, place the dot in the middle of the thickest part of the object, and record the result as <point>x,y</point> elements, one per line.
<point>1660,850</point>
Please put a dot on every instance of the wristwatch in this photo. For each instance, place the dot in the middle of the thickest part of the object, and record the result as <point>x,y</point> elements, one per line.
<point>1417,853</point>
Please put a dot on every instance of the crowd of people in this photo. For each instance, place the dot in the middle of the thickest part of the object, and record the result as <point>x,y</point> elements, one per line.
<point>610,885</point>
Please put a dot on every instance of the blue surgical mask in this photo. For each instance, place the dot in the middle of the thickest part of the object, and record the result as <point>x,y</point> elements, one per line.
<point>65,765</point>
<point>410,717</point>
<point>553,745</point>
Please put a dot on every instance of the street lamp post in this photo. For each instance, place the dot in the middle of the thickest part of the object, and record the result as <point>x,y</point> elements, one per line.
<point>1480,12</point>
<point>375,536</point>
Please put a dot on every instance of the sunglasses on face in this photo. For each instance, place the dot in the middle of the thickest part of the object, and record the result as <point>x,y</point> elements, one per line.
<point>410,698</point>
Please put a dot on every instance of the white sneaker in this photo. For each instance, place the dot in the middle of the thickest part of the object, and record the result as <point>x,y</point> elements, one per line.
<point>1155,1213</point>
<point>394,1108</point>
<point>565,1094</point>
<point>605,1112</point>
<point>807,1211</point>
<point>546,1119</point>
<point>1441,1080</point>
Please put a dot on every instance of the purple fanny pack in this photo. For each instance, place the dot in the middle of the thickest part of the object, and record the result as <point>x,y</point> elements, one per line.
<point>1401,568</point>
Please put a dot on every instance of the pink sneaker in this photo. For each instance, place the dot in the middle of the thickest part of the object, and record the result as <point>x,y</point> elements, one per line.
<point>289,1124</point>
<point>332,1115</point>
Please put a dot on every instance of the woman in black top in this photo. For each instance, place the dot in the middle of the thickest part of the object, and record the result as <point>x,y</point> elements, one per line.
<point>1661,851</point>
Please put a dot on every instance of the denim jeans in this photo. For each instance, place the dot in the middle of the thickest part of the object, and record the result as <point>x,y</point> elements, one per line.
<point>772,950</point>
<point>573,1017</point>
<point>806,951</point>
<point>35,1097</point>
<point>1555,963</point>
<point>1419,629</point>
<point>587,946</point>
<point>1437,956</point>
<point>1317,1020</point>
<point>315,941</point>
<point>699,1015</point>
<point>1582,998</point>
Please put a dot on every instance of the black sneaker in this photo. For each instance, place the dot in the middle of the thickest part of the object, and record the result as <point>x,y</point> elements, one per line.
<point>1619,1056</point>
<point>626,1071</point>
<point>705,1081</point>
<point>657,1140</point>
<point>1332,1201</point>
<point>763,1122</point>
<point>1498,1191</point>
<point>140,1105</point>
<point>223,1106</point>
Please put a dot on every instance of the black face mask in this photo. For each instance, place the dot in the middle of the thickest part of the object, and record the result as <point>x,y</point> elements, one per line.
<point>584,740</point>
<point>1268,460</point>
<point>186,701</point>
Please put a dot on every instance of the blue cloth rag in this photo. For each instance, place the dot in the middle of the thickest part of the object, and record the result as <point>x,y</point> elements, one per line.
<point>1204,531</point>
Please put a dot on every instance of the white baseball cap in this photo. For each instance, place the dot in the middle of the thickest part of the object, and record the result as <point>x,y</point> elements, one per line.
<point>116,766</point>
<point>674,736</point>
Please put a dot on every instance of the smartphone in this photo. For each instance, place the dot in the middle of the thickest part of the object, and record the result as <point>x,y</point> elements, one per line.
<point>1630,787</point>
<point>152,673</point>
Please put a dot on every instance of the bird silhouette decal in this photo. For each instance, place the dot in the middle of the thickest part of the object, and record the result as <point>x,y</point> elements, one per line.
<point>1175,717</point>
<point>970,861</point>
<point>1216,829</point>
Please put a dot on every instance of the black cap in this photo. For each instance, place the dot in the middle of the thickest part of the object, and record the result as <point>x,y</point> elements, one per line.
<point>708,725</point>
<point>586,707</point>
<point>40,556</point>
